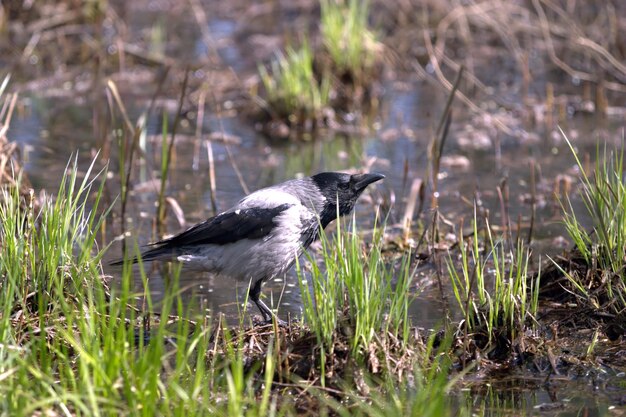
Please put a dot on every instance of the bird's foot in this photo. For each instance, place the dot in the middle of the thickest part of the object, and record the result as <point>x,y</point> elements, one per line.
<point>269,321</point>
<point>279,322</point>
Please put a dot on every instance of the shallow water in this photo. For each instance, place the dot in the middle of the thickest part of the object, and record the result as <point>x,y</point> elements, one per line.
<point>554,396</point>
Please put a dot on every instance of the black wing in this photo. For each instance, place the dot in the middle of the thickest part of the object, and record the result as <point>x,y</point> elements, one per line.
<point>228,227</point>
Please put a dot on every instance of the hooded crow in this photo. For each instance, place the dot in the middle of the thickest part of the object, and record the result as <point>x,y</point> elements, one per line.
<point>263,234</point>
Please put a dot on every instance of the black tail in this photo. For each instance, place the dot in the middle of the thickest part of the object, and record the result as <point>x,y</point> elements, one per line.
<point>154,254</point>
<point>118,262</point>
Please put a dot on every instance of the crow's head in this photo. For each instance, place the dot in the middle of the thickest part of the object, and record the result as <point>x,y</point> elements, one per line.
<point>341,192</point>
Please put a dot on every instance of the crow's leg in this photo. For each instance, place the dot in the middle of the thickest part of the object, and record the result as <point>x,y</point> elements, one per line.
<point>254,294</point>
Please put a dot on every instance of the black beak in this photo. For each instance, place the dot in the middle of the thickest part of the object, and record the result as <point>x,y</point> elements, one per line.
<point>361,181</point>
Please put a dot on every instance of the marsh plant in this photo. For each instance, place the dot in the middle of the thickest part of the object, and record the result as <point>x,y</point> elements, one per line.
<point>603,247</point>
<point>356,292</point>
<point>294,93</point>
<point>493,287</point>
<point>348,39</point>
<point>303,83</point>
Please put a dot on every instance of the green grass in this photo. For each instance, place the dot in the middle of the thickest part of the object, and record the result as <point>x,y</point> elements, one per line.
<point>347,37</point>
<point>293,91</point>
<point>356,293</point>
<point>71,347</point>
<point>298,87</point>
<point>492,288</point>
<point>604,246</point>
